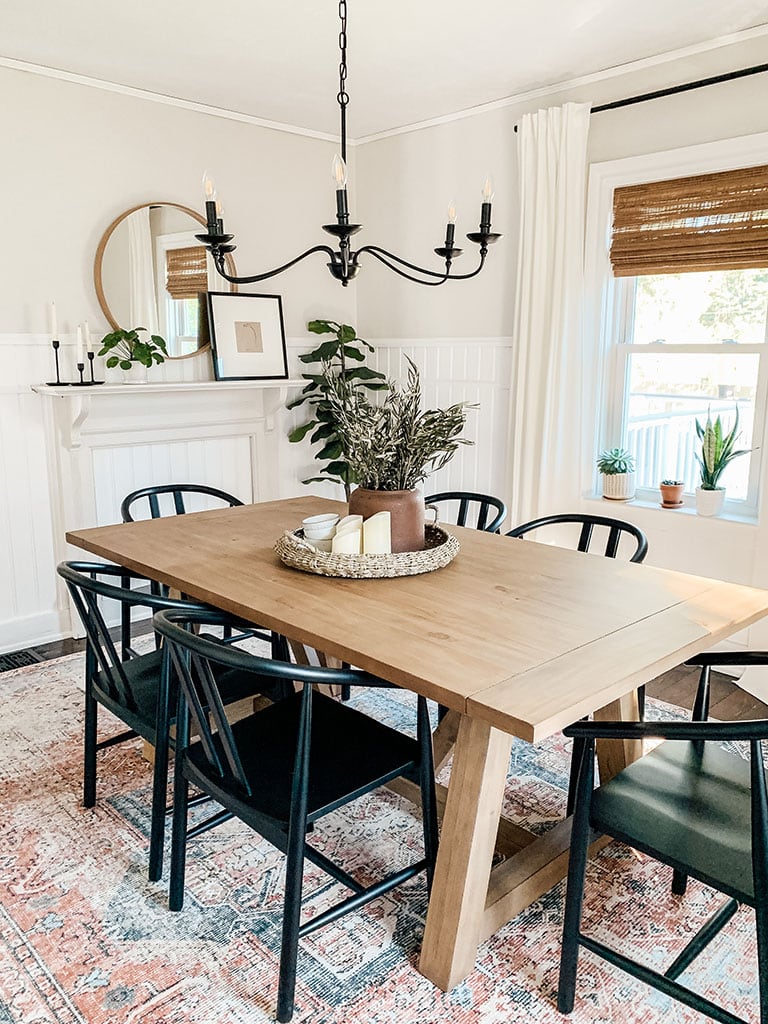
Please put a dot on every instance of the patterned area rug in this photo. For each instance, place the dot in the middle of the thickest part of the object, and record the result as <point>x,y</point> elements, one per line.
<point>84,937</point>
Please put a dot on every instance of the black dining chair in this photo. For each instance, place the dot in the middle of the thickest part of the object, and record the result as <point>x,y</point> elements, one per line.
<point>286,767</point>
<point>593,529</point>
<point>177,492</point>
<point>692,804</point>
<point>162,500</point>
<point>139,689</point>
<point>458,505</point>
<point>593,532</point>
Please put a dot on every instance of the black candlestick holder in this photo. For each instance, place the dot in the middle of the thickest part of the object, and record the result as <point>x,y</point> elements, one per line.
<point>58,383</point>
<point>90,361</point>
<point>81,383</point>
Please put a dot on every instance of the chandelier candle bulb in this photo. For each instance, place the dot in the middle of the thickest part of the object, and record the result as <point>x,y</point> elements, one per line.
<point>450,227</point>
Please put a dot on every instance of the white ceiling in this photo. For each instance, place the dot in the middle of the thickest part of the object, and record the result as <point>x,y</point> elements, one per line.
<point>409,60</point>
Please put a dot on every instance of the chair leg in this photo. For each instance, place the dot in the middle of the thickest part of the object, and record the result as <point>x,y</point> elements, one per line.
<point>573,778</point>
<point>577,867</point>
<point>180,812</point>
<point>427,783</point>
<point>679,882</point>
<point>294,872</point>
<point>160,772</point>
<point>641,703</point>
<point>89,750</point>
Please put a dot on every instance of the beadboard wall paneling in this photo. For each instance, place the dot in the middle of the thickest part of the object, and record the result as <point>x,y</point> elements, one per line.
<point>457,370</point>
<point>229,442</point>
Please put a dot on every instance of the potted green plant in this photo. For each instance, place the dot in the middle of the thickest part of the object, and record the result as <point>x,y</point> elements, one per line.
<point>672,493</point>
<point>339,358</point>
<point>391,447</point>
<point>717,451</point>
<point>129,351</point>
<point>617,466</point>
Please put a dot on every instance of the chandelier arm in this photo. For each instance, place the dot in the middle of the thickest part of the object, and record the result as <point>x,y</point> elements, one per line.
<point>380,253</point>
<point>375,251</point>
<point>219,261</point>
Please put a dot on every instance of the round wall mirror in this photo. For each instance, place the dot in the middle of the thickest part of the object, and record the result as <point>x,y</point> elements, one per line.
<point>150,271</point>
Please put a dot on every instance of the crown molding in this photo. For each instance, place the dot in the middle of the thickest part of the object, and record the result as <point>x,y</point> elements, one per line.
<point>572,83</point>
<point>156,97</point>
<point>516,99</point>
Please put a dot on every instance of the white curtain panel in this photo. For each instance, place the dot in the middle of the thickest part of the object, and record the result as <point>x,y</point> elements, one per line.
<point>546,416</point>
<point>141,271</point>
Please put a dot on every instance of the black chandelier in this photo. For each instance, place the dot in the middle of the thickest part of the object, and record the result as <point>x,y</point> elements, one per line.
<point>344,262</point>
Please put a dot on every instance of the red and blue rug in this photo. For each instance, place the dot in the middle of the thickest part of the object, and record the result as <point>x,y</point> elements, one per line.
<point>84,937</point>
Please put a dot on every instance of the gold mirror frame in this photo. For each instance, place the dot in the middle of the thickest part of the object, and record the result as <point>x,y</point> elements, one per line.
<point>99,260</point>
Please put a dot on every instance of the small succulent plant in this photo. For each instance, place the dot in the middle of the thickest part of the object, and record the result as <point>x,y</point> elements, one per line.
<point>616,460</point>
<point>672,483</point>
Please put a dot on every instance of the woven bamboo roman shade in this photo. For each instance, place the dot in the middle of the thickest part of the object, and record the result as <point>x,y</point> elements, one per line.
<point>186,272</point>
<point>707,222</point>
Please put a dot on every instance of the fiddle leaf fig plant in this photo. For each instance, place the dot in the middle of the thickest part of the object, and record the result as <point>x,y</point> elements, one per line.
<point>340,358</point>
<point>127,348</point>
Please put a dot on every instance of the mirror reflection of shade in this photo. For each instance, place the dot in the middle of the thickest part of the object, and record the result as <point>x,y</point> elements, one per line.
<point>150,271</point>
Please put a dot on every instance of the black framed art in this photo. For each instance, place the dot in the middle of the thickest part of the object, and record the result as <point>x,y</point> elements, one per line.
<point>247,336</point>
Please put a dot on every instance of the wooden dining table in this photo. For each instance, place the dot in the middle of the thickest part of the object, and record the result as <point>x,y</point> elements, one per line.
<point>515,638</point>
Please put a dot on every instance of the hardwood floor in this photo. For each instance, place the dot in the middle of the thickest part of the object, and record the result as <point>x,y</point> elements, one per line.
<point>678,686</point>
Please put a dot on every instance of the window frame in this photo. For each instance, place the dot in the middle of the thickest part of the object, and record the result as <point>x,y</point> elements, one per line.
<point>617,395</point>
<point>609,303</point>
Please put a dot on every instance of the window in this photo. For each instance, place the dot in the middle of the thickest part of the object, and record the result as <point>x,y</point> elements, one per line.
<point>690,345</point>
<point>688,325</point>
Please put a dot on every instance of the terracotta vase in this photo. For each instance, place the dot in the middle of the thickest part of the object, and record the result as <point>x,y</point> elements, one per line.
<point>406,509</point>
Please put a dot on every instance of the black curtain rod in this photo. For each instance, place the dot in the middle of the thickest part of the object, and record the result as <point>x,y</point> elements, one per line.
<point>729,76</point>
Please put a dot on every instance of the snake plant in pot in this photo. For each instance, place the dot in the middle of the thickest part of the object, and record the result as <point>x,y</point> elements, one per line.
<point>617,466</point>
<point>717,451</point>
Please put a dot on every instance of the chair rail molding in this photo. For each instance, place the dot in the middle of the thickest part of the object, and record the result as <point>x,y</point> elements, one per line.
<point>102,442</point>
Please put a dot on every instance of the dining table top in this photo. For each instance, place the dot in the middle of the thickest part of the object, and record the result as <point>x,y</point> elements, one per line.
<point>525,636</point>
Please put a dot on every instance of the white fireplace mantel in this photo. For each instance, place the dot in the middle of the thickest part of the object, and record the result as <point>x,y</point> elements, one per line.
<point>79,401</point>
<point>104,441</point>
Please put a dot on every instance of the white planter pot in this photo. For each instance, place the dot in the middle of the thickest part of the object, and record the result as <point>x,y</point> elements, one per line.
<point>709,503</point>
<point>619,486</point>
<point>136,375</point>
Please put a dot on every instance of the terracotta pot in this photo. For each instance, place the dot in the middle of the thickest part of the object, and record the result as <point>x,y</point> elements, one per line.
<point>406,509</point>
<point>671,495</point>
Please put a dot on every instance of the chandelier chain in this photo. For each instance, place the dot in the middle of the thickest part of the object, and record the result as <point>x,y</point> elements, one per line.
<point>342,96</point>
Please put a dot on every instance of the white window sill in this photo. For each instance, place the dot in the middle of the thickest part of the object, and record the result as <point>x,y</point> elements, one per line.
<point>687,510</point>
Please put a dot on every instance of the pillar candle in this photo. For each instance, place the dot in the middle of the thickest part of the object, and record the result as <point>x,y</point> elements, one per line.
<point>377,534</point>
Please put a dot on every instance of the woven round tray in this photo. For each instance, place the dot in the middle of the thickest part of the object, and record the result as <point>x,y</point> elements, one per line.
<point>441,548</point>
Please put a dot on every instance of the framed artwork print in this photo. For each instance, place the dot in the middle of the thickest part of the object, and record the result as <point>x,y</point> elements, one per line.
<point>247,336</point>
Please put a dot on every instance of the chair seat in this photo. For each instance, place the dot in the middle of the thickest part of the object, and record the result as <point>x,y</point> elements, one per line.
<point>350,754</point>
<point>142,674</point>
<point>696,806</point>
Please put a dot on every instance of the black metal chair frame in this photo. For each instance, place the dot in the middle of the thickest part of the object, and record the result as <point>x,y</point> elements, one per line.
<point>110,674</point>
<point>588,522</point>
<point>486,502</point>
<point>215,764</point>
<point>178,491</point>
<point>696,733</point>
